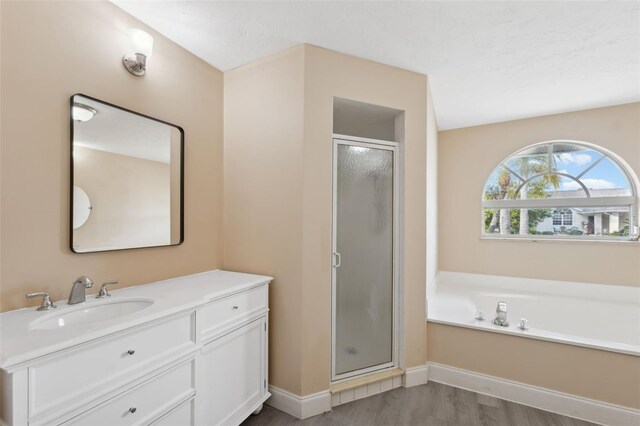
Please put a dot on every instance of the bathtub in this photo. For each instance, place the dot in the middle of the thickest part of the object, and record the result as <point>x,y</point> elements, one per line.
<point>596,316</point>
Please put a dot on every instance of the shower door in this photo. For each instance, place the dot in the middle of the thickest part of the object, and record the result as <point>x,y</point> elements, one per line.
<point>363,283</point>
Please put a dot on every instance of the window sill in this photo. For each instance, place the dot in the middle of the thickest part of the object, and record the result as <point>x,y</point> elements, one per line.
<point>562,240</point>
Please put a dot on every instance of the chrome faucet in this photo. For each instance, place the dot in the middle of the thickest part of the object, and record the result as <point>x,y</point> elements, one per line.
<point>78,294</point>
<point>46,304</point>
<point>501,315</point>
<point>104,292</point>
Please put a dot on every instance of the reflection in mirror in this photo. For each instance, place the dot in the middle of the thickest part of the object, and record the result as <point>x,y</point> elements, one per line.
<point>126,172</point>
<point>81,207</point>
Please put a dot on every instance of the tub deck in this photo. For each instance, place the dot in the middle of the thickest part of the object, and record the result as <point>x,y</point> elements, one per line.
<point>598,316</point>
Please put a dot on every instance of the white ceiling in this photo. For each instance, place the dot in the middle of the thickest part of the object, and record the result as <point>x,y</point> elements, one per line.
<point>121,132</point>
<point>486,61</point>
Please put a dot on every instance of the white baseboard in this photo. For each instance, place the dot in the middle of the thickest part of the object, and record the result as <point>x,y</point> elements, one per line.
<point>545,399</point>
<point>300,407</point>
<point>415,376</point>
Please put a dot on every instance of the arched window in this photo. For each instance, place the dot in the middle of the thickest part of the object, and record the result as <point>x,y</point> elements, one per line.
<point>561,189</point>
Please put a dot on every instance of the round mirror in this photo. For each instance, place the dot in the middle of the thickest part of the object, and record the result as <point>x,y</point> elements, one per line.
<point>81,207</point>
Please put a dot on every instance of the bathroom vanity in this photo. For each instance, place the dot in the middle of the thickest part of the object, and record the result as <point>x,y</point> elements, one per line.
<point>185,351</point>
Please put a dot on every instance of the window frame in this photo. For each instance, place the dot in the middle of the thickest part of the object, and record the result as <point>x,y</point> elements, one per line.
<point>561,214</point>
<point>632,202</point>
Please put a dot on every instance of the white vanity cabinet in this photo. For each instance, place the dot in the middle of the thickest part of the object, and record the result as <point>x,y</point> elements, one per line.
<point>72,378</point>
<point>233,376</point>
<point>202,365</point>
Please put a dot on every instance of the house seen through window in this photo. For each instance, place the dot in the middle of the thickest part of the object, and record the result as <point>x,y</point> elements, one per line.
<point>563,217</point>
<point>560,189</point>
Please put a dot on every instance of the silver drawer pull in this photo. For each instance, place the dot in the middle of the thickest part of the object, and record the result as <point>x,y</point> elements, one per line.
<point>131,351</point>
<point>133,410</point>
<point>235,307</point>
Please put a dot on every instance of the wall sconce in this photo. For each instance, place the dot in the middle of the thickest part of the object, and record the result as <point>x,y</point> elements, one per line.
<point>140,48</point>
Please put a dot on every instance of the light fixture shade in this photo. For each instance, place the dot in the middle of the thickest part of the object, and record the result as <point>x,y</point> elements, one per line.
<point>81,112</point>
<point>140,43</point>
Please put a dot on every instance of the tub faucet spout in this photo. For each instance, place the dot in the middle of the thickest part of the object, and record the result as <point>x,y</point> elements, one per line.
<point>501,315</point>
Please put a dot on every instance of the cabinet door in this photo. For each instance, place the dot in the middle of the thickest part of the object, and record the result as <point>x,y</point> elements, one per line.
<point>233,374</point>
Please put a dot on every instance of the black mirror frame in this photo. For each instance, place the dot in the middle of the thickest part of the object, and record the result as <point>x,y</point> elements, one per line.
<point>71,175</point>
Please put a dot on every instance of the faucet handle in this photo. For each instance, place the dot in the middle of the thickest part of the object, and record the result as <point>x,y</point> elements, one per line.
<point>523,324</point>
<point>46,304</point>
<point>104,292</point>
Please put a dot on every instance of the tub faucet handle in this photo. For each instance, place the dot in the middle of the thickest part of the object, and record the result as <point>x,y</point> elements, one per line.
<point>523,324</point>
<point>480,315</point>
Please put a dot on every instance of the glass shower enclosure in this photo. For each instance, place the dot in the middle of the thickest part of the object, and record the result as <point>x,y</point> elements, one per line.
<point>364,245</point>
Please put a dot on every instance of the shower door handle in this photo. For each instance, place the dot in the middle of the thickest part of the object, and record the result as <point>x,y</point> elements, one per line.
<point>337,259</point>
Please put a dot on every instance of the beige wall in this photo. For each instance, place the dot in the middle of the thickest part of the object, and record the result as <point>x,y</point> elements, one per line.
<point>467,157</point>
<point>432,192</point>
<point>278,131</point>
<point>263,195</point>
<point>51,50</point>
<point>601,375</point>
<point>130,200</point>
<point>365,120</point>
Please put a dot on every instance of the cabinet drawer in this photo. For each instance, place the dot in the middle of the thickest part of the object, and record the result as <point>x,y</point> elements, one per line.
<point>145,402</point>
<point>224,312</point>
<point>76,377</point>
<point>181,416</point>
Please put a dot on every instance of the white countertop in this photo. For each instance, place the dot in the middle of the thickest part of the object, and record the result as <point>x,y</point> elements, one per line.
<point>19,343</point>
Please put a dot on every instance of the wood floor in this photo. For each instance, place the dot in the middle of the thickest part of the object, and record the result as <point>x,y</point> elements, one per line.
<point>432,404</point>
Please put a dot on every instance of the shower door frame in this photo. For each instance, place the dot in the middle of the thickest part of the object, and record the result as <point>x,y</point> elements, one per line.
<point>394,148</point>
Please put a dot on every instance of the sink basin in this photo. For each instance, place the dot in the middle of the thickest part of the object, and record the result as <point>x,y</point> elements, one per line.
<point>90,313</point>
